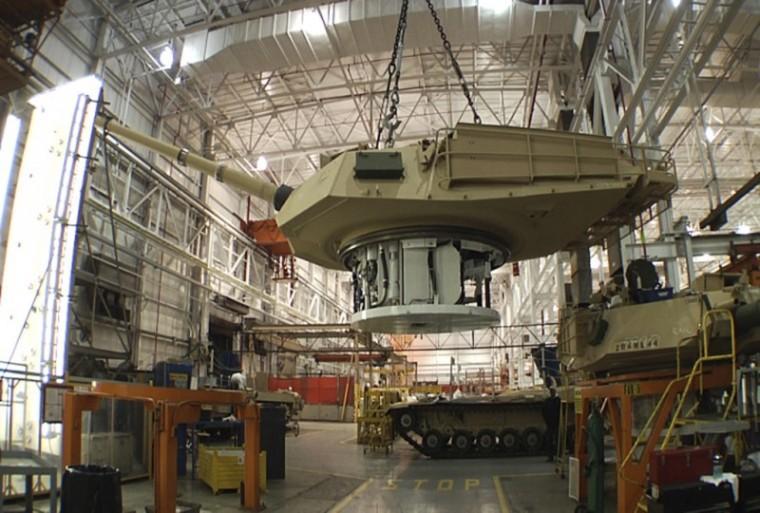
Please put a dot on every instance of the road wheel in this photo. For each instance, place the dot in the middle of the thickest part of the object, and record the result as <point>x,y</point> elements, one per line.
<point>532,440</point>
<point>433,440</point>
<point>461,442</point>
<point>486,441</point>
<point>406,422</point>
<point>509,440</point>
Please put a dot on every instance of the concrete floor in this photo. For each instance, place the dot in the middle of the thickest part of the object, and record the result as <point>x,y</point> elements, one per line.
<point>327,472</point>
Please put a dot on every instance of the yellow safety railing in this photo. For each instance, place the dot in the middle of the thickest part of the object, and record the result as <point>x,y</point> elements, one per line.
<point>698,366</point>
<point>696,370</point>
<point>648,425</point>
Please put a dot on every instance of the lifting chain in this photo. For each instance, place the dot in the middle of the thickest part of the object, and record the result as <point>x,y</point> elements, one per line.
<point>454,63</point>
<point>389,121</point>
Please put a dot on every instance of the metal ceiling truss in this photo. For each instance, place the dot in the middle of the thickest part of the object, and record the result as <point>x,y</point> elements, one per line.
<point>651,79</point>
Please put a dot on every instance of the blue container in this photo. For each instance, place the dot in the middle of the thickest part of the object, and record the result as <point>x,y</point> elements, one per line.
<point>650,296</point>
<point>173,375</point>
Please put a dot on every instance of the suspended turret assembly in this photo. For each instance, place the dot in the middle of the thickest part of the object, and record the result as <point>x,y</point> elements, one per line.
<point>421,227</point>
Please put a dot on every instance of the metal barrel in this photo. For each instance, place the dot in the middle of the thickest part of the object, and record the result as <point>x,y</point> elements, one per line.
<point>231,175</point>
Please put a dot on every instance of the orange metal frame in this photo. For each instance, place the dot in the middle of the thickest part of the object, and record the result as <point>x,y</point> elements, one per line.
<point>170,407</point>
<point>620,394</point>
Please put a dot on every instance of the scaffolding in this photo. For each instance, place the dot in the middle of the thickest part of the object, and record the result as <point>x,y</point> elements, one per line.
<point>672,415</point>
<point>152,255</point>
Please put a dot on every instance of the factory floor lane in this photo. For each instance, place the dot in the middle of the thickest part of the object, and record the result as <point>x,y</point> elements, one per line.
<point>327,472</point>
<point>406,481</point>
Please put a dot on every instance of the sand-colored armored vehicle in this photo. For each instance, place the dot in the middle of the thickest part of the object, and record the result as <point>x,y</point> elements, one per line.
<point>645,327</point>
<point>506,425</point>
<point>421,227</point>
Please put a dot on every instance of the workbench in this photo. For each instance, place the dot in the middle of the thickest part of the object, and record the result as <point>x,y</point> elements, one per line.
<point>28,464</point>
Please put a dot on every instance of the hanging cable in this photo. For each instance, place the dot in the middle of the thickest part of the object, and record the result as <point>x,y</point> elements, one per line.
<point>454,64</point>
<point>389,121</point>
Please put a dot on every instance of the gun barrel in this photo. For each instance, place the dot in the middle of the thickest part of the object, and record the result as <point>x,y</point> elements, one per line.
<point>231,175</point>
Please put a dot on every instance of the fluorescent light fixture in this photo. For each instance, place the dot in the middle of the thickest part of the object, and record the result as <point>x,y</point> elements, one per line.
<point>261,163</point>
<point>710,133</point>
<point>742,229</point>
<point>675,3</point>
<point>166,57</point>
<point>7,153</point>
<point>704,257</point>
<point>495,6</point>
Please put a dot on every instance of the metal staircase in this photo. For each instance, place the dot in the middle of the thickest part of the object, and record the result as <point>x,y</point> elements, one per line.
<point>689,423</point>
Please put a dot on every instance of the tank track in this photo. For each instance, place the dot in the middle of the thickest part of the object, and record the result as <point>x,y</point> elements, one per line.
<point>449,452</point>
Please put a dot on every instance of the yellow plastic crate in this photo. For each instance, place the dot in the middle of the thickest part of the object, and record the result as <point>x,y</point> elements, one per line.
<point>221,468</point>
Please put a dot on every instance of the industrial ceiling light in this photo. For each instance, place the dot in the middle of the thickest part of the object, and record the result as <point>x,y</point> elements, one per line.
<point>743,229</point>
<point>166,57</point>
<point>261,163</point>
<point>313,24</point>
<point>495,6</point>
<point>675,3</point>
<point>710,133</point>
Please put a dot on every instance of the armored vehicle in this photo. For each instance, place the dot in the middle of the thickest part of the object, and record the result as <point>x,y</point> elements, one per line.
<point>646,327</point>
<point>504,425</point>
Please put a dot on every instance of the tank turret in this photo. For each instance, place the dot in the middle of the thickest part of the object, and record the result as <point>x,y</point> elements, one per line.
<point>421,227</point>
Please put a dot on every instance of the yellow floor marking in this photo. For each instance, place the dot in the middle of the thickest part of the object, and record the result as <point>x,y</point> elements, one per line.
<point>348,498</point>
<point>310,432</point>
<point>322,472</point>
<point>544,474</point>
<point>503,503</point>
<point>445,485</point>
<point>390,485</point>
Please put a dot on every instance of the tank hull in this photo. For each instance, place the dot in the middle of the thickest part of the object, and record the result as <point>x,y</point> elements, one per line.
<point>473,428</point>
<point>658,335</point>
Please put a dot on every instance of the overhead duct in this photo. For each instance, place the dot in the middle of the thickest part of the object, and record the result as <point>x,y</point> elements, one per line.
<point>361,27</point>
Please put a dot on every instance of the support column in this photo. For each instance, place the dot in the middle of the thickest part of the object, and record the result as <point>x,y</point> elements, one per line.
<point>251,421</point>
<point>101,46</point>
<point>581,450</point>
<point>73,406</point>
<point>167,417</point>
<point>617,255</point>
<point>580,270</point>
<point>559,278</point>
<point>198,273</point>
<point>665,220</point>
<point>681,228</point>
